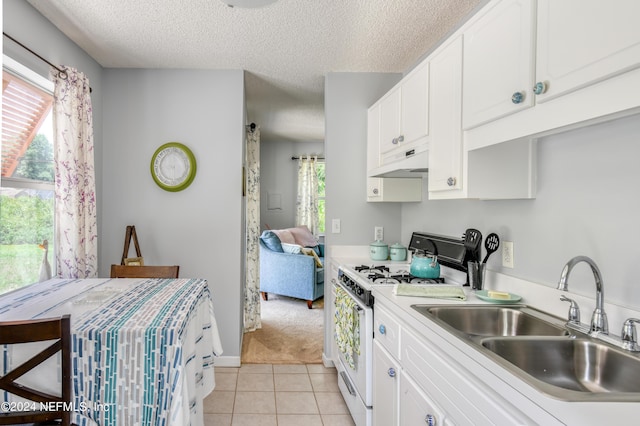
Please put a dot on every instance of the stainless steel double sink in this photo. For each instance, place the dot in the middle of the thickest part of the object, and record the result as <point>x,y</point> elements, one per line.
<point>538,348</point>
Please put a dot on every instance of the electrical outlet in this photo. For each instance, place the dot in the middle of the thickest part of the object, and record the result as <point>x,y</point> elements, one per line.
<point>378,233</point>
<point>335,226</point>
<point>507,254</point>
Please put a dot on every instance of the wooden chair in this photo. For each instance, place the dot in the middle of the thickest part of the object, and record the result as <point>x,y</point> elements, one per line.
<point>126,271</point>
<point>14,332</point>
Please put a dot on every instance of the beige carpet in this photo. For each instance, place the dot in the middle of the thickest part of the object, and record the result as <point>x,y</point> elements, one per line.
<point>291,333</point>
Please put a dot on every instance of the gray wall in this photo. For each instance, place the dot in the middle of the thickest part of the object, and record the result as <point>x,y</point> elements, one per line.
<point>347,98</point>
<point>587,203</point>
<point>199,228</point>
<point>29,27</point>
<point>279,175</point>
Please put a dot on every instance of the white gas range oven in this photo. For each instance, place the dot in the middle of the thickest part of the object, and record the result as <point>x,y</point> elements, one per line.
<point>355,345</point>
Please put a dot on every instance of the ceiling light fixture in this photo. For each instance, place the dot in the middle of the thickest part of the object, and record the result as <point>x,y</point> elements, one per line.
<point>248,4</point>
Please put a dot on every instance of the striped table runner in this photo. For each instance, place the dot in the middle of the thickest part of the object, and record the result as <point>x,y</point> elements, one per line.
<point>143,355</point>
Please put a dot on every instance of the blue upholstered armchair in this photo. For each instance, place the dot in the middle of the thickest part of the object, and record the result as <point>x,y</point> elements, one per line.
<point>290,274</point>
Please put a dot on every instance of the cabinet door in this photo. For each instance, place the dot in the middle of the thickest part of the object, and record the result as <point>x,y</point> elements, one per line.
<point>373,137</point>
<point>390,120</point>
<point>386,373</point>
<point>445,149</point>
<point>416,408</point>
<point>414,112</point>
<point>581,42</point>
<point>499,63</point>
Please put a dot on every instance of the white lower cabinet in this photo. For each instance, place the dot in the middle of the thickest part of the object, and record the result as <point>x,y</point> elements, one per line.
<point>417,380</point>
<point>416,408</point>
<point>386,373</point>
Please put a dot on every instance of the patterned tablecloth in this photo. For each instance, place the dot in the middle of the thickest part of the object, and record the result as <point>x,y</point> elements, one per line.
<point>143,349</point>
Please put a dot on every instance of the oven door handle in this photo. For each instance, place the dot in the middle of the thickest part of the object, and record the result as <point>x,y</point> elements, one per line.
<point>347,383</point>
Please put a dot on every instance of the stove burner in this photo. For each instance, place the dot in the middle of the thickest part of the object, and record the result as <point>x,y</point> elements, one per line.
<point>364,268</point>
<point>402,277</point>
<point>416,280</point>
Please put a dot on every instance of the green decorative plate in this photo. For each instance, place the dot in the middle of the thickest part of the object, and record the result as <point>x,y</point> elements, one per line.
<point>484,295</point>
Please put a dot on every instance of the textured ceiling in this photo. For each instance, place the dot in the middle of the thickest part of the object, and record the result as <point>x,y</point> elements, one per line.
<point>286,48</point>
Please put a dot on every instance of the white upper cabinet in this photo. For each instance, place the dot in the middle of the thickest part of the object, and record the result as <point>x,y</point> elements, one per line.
<point>386,189</point>
<point>404,113</point>
<point>373,137</point>
<point>390,121</point>
<point>581,42</point>
<point>498,62</point>
<point>445,149</point>
<point>415,104</point>
<point>519,53</point>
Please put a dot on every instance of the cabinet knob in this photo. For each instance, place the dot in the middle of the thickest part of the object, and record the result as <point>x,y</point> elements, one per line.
<point>382,329</point>
<point>375,191</point>
<point>451,181</point>
<point>517,97</point>
<point>401,138</point>
<point>540,87</point>
<point>394,141</point>
<point>430,419</point>
<point>391,372</point>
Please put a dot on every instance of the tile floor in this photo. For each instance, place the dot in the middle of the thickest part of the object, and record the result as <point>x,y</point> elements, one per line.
<point>276,395</point>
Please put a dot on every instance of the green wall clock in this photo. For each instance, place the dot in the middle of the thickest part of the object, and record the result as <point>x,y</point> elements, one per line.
<point>173,167</point>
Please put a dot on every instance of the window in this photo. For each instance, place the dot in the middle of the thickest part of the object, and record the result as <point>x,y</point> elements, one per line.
<point>320,172</point>
<point>26,183</point>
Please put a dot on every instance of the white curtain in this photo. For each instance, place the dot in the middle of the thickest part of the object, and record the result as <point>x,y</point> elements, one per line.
<point>252,191</point>
<point>76,236</point>
<point>307,203</point>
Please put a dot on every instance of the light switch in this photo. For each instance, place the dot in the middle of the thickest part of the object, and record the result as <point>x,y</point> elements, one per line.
<point>335,226</point>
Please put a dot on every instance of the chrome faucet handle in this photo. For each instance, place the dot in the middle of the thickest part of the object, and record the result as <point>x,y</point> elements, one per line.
<point>574,310</point>
<point>629,336</point>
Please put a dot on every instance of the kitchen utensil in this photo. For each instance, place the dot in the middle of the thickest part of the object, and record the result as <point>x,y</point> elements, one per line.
<point>398,252</point>
<point>472,241</point>
<point>476,274</point>
<point>491,244</point>
<point>378,250</point>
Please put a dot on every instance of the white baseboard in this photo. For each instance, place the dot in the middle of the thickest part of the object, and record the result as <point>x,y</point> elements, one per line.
<point>227,361</point>
<point>328,362</point>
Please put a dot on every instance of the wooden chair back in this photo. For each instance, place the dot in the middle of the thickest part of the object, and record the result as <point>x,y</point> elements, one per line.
<point>58,407</point>
<point>127,271</point>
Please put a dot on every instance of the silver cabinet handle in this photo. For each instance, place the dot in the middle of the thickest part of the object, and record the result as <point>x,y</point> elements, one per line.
<point>517,97</point>
<point>451,181</point>
<point>430,419</point>
<point>375,191</point>
<point>540,87</point>
<point>401,138</point>
<point>391,372</point>
<point>394,141</point>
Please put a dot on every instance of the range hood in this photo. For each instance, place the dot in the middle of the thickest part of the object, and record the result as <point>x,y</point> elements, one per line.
<point>411,166</point>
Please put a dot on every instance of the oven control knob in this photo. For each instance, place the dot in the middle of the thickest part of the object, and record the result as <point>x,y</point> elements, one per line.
<point>430,420</point>
<point>391,372</point>
<point>382,329</point>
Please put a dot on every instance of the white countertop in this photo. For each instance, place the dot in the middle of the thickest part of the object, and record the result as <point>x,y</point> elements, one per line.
<point>539,296</point>
<point>500,379</point>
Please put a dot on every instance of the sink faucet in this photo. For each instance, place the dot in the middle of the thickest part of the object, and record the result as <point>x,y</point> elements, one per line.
<point>599,318</point>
